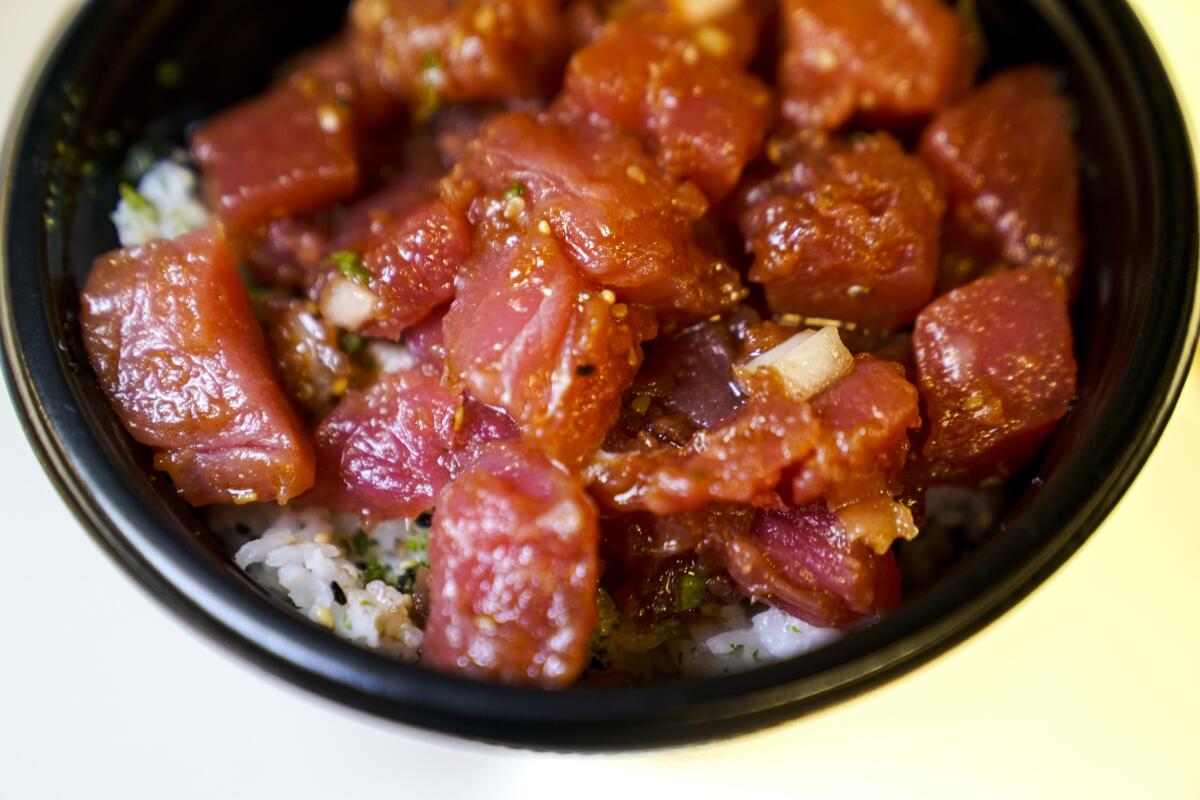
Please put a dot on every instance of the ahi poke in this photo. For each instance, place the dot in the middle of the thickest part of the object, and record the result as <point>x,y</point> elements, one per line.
<point>557,342</point>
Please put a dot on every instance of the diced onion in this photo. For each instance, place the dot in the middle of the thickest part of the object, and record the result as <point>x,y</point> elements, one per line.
<point>347,304</point>
<point>696,12</point>
<point>390,356</point>
<point>807,363</point>
<point>878,522</point>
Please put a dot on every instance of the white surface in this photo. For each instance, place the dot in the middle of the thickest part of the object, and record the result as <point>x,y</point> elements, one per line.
<point>1089,687</point>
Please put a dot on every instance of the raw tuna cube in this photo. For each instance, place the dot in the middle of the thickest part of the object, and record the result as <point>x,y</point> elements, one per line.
<point>623,223</point>
<point>407,275</point>
<point>803,561</point>
<point>1008,160</point>
<point>290,151</point>
<point>996,372</point>
<point>889,61</point>
<point>385,451</point>
<point>169,329</point>
<point>846,230</point>
<point>513,567</point>
<point>681,91</point>
<point>742,461</point>
<point>528,334</point>
<point>425,52</point>
<point>866,418</point>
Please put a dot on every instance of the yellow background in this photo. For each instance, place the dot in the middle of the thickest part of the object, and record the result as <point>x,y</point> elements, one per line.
<point>1089,688</point>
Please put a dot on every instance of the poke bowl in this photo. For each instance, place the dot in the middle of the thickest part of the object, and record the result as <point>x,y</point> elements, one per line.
<point>610,375</point>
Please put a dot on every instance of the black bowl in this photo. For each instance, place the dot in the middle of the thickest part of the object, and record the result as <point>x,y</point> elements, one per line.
<point>112,79</point>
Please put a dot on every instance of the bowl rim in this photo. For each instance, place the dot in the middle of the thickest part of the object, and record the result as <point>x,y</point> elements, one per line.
<point>225,609</point>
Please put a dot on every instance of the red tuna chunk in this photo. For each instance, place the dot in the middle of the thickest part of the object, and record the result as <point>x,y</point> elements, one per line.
<point>314,368</point>
<point>846,231</point>
<point>527,334</point>
<point>742,461</point>
<point>622,223</point>
<point>847,446</point>
<point>1009,163</point>
<point>169,329</point>
<point>865,417</point>
<point>386,451</point>
<point>426,343</point>
<point>647,559</point>
<point>365,222</point>
<point>284,252</point>
<point>290,151</point>
<point>428,51</point>
<point>889,61</point>
<point>803,561</point>
<point>996,372</point>
<point>691,372</point>
<point>412,267</point>
<point>334,62</point>
<point>681,91</point>
<point>513,570</point>
<point>481,424</point>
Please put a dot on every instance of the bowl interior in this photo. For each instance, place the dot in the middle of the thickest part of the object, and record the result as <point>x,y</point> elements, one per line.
<point>140,72</point>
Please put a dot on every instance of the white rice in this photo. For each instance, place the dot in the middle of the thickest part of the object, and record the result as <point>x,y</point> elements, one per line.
<point>735,640</point>
<point>296,555</point>
<point>165,205</point>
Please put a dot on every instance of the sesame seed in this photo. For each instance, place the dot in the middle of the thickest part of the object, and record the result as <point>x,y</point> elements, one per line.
<point>713,40</point>
<point>485,19</point>
<point>514,207</point>
<point>329,119</point>
<point>608,296</point>
<point>774,152</point>
<point>636,173</point>
<point>827,60</point>
<point>543,227</point>
<point>324,616</point>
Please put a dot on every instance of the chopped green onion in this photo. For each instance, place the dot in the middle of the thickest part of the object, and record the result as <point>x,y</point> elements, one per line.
<point>433,77</point>
<point>358,545</point>
<point>689,592</point>
<point>137,202</point>
<point>169,75</point>
<point>375,571</point>
<point>430,103</point>
<point>349,263</point>
<point>351,343</point>
<point>515,190</point>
